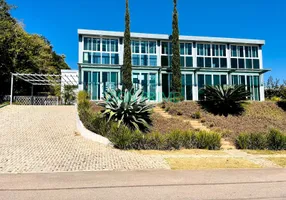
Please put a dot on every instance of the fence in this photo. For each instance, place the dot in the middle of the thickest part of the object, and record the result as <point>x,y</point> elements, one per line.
<point>33,100</point>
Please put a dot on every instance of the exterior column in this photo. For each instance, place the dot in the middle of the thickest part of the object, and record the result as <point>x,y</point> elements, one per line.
<point>11,93</point>
<point>195,87</point>
<point>261,88</point>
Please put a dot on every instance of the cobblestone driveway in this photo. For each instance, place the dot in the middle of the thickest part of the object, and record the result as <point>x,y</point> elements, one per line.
<point>43,139</point>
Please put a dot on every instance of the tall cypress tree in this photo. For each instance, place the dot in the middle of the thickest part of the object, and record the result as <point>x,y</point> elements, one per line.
<point>176,69</point>
<point>127,67</point>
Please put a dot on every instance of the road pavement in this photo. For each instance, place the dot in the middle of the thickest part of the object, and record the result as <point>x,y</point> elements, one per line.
<point>245,184</point>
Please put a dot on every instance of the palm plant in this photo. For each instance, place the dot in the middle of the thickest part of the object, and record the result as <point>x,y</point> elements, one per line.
<point>130,109</point>
<point>225,99</point>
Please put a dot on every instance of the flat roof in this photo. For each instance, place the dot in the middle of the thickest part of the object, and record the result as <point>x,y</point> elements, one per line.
<point>167,37</point>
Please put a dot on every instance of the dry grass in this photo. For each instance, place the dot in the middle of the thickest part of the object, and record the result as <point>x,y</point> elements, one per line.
<point>258,117</point>
<point>95,107</point>
<point>209,163</point>
<point>279,161</point>
<point>165,125</point>
<point>265,152</point>
<point>181,152</point>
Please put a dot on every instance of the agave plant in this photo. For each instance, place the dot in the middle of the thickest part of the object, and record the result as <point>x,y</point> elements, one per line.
<point>129,108</point>
<point>225,99</point>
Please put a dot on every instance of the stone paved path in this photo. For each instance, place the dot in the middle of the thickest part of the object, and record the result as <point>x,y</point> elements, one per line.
<point>43,139</point>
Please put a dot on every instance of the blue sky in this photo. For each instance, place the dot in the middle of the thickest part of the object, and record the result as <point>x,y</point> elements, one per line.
<point>58,20</point>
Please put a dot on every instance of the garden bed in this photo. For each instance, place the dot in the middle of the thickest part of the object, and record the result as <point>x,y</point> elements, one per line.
<point>257,117</point>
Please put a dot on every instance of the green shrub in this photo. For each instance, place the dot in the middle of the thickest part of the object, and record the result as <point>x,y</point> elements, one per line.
<point>130,109</point>
<point>189,140</point>
<point>155,141</point>
<point>208,140</point>
<point>174,140</point>
<point>122,137</point>
<point>196,115</point>
<point>276,140</point>
<point>251,141</point>
<point>242,141</point>
<point>83,101</point>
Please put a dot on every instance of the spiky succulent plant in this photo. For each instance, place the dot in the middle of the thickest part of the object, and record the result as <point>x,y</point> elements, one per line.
<point>129,108</point>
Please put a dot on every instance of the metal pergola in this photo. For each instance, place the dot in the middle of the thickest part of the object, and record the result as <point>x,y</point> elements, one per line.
<point>44,80</point>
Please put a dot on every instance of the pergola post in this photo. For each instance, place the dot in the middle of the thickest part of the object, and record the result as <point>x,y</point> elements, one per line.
<point>11,93</point>
<point>32,94</point>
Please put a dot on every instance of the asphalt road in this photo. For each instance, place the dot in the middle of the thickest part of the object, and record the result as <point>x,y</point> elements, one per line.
<point>136,185</point>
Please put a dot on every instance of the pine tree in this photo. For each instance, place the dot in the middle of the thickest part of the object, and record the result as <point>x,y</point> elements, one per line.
<point>176,68</point>
<point>127,67</point>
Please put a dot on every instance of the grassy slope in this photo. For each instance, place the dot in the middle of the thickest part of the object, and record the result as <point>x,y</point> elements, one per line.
<point>258,117</point>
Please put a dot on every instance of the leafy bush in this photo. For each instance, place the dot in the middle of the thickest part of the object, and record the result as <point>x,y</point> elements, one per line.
<point>208,140</point>
<point>130,109</point>
<point>196,115</point>
<point>174,140</point>
<point>276,140</point>
<point>155,141</point>
<point>224,99</point>
<point>69,95</point>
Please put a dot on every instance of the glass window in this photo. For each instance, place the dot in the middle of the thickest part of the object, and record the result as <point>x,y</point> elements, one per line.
<point>105,58</point>
<point>208,79</point>
<point>164,60</point>
<point>96,58</point>
<point>165,49</point>
<point>96,44</point>
<point>208,62</point>
<point>223,62</point>
<point>87,43</point>
<point>222,50</point>
<point>182,61</point>
<point>114,59</point>
<point>241,63</point>
<point>189,62</point>
<point>135,60</point>
<point>208,49</point>
<point>215,50</point>
<point>233,51</point>
<point>255,52</point>
<point>200,61</point>
<point>144,47</point>
<point>256,63</point>
<point>152,47</point>
<point>105,45</point>
<point>182,48</point>
<point>249,63</point>
<point>216,80</point>
<point>153,60</point>
<point>215,62</point>
<point>189,89</point>
<point>114,45</point>
<point>242,80</point>
<point>188,48</point>
<point>223,80</point>
<point>233,63</point>
<point>200,49</point>
<point>234,80</point>
<point>144,60</point>
<point>86,57</point>
<point>201,81</point>
<point>247,51</point>
<point>240,51</point>
<point>135,46</point>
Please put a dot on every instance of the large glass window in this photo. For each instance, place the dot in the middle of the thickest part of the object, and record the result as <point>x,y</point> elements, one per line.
<point>100,51</point>
<point>186,50</point>
<point>146,81</point>
<point>144,53</point>
<point>244,57</point>
<point>211,55</point>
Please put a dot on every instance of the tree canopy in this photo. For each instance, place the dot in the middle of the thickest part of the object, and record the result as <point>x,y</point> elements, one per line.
<point>21,52</point>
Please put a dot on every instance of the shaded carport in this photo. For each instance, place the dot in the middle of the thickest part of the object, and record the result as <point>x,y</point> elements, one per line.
<point>44,80</point>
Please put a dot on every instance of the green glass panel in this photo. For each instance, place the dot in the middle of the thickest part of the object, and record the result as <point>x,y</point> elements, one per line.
<point>216,80</point>
<point>188,49</point>
<point>86,57</point>
<point>95,86</point>
<point>189,61</point>
<point>208,62</point>
<point>208,80</point>
<point>233,51</point>
<point>223,80</point>
<point>87,82</point>
<point>200,62</point>
<point>153,85</point>
<point>234,63</point>
<point>234,80</point>
<point>242,80</point>
<point>256,63</point>
<point>223,62</point>
<point>255,52</point>
<point>249,63</point>
<point>241,63</point>
<point>200,49</point>
<point>182,48</point>
<point>182,61</point>
<point>216,62</point>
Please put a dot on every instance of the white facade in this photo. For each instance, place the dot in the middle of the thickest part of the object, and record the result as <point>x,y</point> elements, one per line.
<point>204,60</point>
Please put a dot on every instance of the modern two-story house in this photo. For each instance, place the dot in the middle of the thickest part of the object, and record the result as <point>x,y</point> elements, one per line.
<point>204,61</point>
